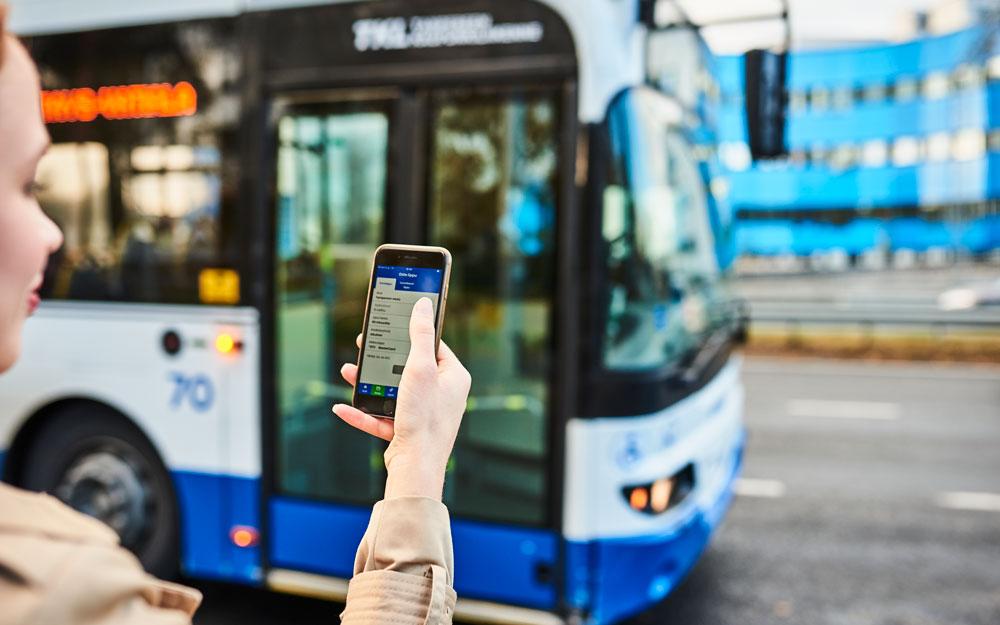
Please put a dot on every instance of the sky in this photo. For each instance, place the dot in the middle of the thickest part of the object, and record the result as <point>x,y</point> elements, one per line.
<point>814,23</point>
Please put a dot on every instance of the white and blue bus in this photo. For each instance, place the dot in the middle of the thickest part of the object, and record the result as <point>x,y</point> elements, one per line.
<point>223,171</point>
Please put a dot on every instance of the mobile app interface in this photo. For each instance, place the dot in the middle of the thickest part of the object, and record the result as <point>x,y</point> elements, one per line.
<point>387,345</point>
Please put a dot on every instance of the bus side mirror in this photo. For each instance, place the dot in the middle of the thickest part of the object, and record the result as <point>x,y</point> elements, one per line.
<point>764,80</point>
<point>741,320</point>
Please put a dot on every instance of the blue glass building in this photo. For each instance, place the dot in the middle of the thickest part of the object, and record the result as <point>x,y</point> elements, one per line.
<point>894,147</point>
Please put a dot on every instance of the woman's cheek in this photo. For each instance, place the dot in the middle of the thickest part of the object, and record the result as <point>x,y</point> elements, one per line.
<point>16,273</point>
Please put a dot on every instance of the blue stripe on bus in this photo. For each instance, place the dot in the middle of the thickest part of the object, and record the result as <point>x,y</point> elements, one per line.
<point>486,553</point>
<point>326,536</point>
<point>636,573</point>
<point>611,577</point>
<point>616,578</point>
<point>210,505</point>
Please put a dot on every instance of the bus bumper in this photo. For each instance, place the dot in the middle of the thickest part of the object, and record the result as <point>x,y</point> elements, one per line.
<point>613,578</point>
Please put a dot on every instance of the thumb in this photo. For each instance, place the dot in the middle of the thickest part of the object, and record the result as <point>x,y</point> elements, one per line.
<point>422,332</point>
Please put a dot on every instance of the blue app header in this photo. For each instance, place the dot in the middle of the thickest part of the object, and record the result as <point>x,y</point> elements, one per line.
<point>420,279</point>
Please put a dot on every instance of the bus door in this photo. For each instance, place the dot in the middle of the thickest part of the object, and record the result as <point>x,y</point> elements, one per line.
<point>478,171</point>
<point>330,161</point>
<point>492,191</point>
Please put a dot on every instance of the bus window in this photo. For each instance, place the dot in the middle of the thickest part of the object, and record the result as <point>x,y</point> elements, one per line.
<point>137,220</point>
<point>331,181</point>
<point>492,203</point>
<point>661,266</point>
<point>142,191</point>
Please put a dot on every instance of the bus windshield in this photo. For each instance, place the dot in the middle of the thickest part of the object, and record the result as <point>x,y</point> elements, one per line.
<point>662,270</point>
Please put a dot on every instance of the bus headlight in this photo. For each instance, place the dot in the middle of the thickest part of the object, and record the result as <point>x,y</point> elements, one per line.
<point>660,495</point>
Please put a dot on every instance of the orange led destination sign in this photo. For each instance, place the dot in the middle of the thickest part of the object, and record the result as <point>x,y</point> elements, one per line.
<point>119,102</point>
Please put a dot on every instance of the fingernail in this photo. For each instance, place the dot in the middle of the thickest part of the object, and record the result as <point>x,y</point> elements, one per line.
<point>425,303</point>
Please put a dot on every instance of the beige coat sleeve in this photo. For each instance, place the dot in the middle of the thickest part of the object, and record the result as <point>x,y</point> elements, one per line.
<point>404,567</point>
<point>58,566</point>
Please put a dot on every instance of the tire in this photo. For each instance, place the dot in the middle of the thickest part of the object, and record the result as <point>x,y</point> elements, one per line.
<point>98,462</point>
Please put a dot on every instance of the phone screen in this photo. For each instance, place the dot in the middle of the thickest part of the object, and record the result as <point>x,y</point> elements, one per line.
<point>394,291</point>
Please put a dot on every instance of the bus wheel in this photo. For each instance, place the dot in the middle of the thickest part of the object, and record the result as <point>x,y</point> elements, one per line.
<point>98,462</point>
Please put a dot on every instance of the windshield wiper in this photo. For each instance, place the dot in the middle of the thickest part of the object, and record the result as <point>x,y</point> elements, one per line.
<point>706,355</point>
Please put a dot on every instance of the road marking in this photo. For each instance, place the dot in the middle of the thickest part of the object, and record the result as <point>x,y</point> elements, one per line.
<point>983,502</point>
<point>750,487</point>
<point>839,409</point>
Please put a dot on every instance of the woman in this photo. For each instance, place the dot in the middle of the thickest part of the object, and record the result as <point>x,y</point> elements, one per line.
<point>58,566</point>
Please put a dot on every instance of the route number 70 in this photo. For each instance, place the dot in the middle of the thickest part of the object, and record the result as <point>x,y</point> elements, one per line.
<point>195,390</point>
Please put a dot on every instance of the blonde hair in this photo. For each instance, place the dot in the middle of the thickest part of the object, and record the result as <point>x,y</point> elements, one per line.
<point>3,30</point>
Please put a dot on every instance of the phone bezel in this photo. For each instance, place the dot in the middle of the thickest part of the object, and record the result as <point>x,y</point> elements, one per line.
<point>418,256</point>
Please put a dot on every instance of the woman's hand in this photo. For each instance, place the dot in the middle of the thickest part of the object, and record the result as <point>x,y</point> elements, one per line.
<point>429,409</point>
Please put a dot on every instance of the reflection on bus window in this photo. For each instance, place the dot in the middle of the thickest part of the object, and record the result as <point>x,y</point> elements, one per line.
<point>492,203</point>
<point>661,266</point>
<point>331,180</point>
<point>137,224</point>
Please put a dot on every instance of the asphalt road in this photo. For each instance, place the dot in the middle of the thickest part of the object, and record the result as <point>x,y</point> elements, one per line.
<point>884,510</point>
<point>858,513</point>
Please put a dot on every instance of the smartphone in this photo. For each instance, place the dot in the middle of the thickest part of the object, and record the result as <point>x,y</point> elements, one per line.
<point>401,275</point>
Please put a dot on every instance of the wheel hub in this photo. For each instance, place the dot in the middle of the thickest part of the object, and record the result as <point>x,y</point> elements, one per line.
<point>107,487</point>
